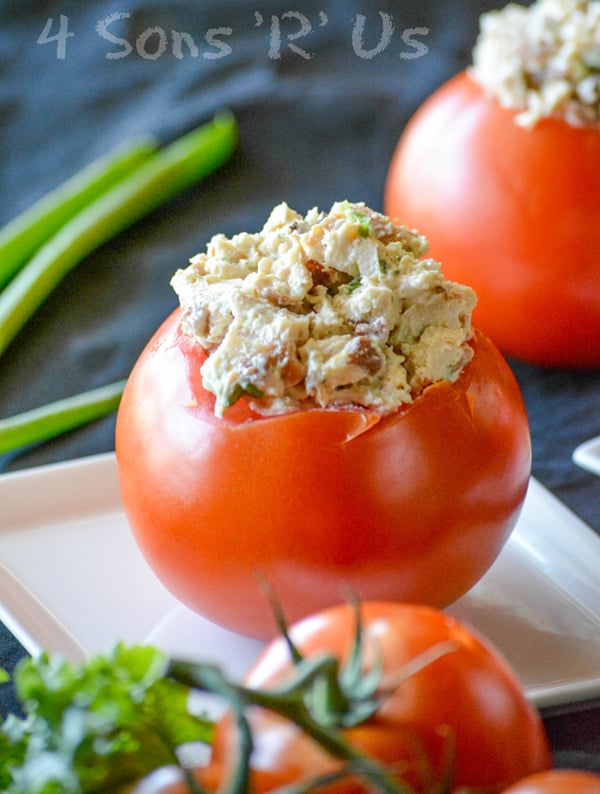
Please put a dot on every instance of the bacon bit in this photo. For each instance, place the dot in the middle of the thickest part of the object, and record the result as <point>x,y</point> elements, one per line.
<point>367,356</point>
<point>318,273</point>
<point>322,276</point>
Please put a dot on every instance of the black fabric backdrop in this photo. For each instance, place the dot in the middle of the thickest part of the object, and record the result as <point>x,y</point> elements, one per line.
<point>319,114</point>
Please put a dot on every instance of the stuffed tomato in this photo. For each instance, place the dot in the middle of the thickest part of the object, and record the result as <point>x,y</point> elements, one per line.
<point>498,168</point>
<point>335,422</point>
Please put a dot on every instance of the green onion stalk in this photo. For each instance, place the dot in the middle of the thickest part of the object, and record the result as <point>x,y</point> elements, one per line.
<point>43,244</point>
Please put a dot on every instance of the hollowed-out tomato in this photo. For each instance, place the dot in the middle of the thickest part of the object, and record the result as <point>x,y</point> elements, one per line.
<point>509,211</point>
<point>413,506</point>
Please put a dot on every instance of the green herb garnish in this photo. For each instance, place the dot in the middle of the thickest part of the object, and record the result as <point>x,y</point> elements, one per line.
<point>354,215</point>
<point>95,727</point>
<point>240,390</point>
<point>252,391</point>
<point>362,220</point>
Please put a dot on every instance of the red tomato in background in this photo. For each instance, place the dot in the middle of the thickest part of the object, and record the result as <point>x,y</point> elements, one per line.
<point>467,700</point>
<point>559,781</point>
<point>512,212</point>
<point>414,506</point>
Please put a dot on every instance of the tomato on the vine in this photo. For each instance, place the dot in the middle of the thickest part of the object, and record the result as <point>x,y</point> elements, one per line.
<point>558,781</point>
<point>461,719</point>
<point>414,506</point>
<point>508,211</point>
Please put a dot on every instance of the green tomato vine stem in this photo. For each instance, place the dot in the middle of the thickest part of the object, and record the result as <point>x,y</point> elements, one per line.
<point>288,702</point>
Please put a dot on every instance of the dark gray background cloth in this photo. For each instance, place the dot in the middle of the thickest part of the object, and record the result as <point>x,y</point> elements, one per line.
<point>320,108</point>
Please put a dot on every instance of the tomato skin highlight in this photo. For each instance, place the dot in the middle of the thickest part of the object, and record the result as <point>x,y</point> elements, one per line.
<point>467,698</point>
<point>413,506</point>
<point>508,211</point>
<point>558,781</point>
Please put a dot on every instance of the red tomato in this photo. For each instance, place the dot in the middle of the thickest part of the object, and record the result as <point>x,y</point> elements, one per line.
<point>414,506</point>
<point>509,211</point>
<point>559,781</point>
<point>466,700</point>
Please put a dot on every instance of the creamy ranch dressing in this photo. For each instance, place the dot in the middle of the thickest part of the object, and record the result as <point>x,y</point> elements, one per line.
<point>543,60</point>
<point>328,309</point>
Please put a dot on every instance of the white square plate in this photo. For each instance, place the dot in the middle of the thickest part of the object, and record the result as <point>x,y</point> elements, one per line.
<point>72,581</point>
<point>587,455</point>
